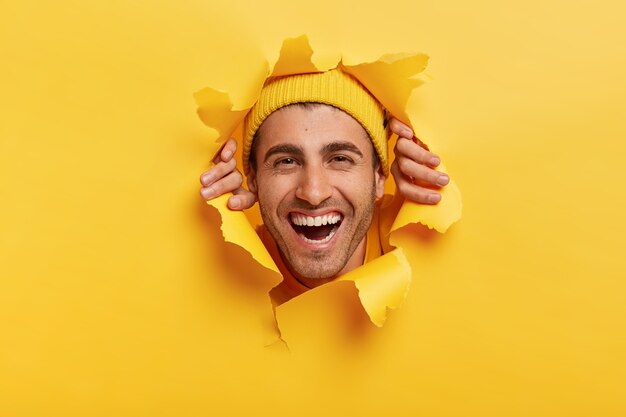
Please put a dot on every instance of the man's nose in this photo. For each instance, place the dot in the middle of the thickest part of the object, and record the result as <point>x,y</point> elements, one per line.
<point>314,185</point>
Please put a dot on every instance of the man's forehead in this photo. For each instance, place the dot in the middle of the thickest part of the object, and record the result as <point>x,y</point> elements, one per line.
<point>301,122</point>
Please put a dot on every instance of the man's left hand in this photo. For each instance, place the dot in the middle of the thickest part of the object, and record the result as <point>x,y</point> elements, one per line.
<point>414,167</point>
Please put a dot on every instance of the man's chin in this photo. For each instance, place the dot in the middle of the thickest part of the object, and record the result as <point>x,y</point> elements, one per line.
<point>315,270</point>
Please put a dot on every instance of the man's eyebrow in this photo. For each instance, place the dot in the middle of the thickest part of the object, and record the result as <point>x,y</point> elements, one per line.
<point>341,146</point>
<point>283,148</point>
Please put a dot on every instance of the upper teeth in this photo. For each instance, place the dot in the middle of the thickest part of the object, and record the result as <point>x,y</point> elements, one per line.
<point>302,220</point>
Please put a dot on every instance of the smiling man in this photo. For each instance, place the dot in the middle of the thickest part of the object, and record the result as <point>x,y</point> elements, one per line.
<point>315,155</point>
<point>317,177</point>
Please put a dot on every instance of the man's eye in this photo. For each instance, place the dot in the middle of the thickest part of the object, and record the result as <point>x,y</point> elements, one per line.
<point>285,161</point>
<point>341,159</point>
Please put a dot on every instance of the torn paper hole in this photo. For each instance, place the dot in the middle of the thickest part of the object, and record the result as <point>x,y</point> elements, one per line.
<point>383,282</point>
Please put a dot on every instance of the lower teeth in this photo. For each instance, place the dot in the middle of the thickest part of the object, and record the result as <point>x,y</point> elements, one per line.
<point>326,239</point>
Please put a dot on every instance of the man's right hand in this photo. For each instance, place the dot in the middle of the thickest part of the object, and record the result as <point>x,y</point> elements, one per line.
<point>224,177</point>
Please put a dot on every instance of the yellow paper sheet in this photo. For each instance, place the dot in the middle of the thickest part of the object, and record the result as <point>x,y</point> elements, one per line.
<point>383,283</point>
<point>119,296</point>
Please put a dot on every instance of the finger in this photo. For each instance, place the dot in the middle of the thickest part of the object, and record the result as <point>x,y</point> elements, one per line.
<point>229,150</point>
<point>218,171</point>
<point>226,151</point>
<point>422,174</point>
<point>420,195</point>
<point>411,150</point>
<point>420,143</point>
<point>225,185</point>
<point>400,129</point>
<point>413,192</point>
<point>243,199</point>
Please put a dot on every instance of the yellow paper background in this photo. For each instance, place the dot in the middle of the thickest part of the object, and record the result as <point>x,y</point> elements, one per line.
<point>118,295</point>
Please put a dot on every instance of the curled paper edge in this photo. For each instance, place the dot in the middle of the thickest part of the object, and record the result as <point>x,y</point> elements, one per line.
<point>384,286</point>
<point>237,229</point>
<point>439,217</point>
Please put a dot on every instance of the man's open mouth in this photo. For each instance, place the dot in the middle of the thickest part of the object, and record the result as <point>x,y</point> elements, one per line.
<point>316,229</point>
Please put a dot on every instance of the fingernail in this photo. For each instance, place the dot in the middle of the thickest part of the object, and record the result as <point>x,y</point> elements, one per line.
<point>206,178</point>
<point>227,155</point>
<point>207,193</point>
<point>434,161</point>
<point>443,180</point>
<point>407,133</point>
<point>434,198</point>
<point>233,203</point>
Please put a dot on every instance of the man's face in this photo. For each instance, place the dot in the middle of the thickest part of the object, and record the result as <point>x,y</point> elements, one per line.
<point>317,184</point>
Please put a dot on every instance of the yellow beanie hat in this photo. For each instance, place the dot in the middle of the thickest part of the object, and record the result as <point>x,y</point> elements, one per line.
<point>335,88</point>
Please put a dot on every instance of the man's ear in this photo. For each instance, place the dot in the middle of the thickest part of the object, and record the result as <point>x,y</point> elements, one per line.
<point>379,180</point>
<point>251,180</point>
